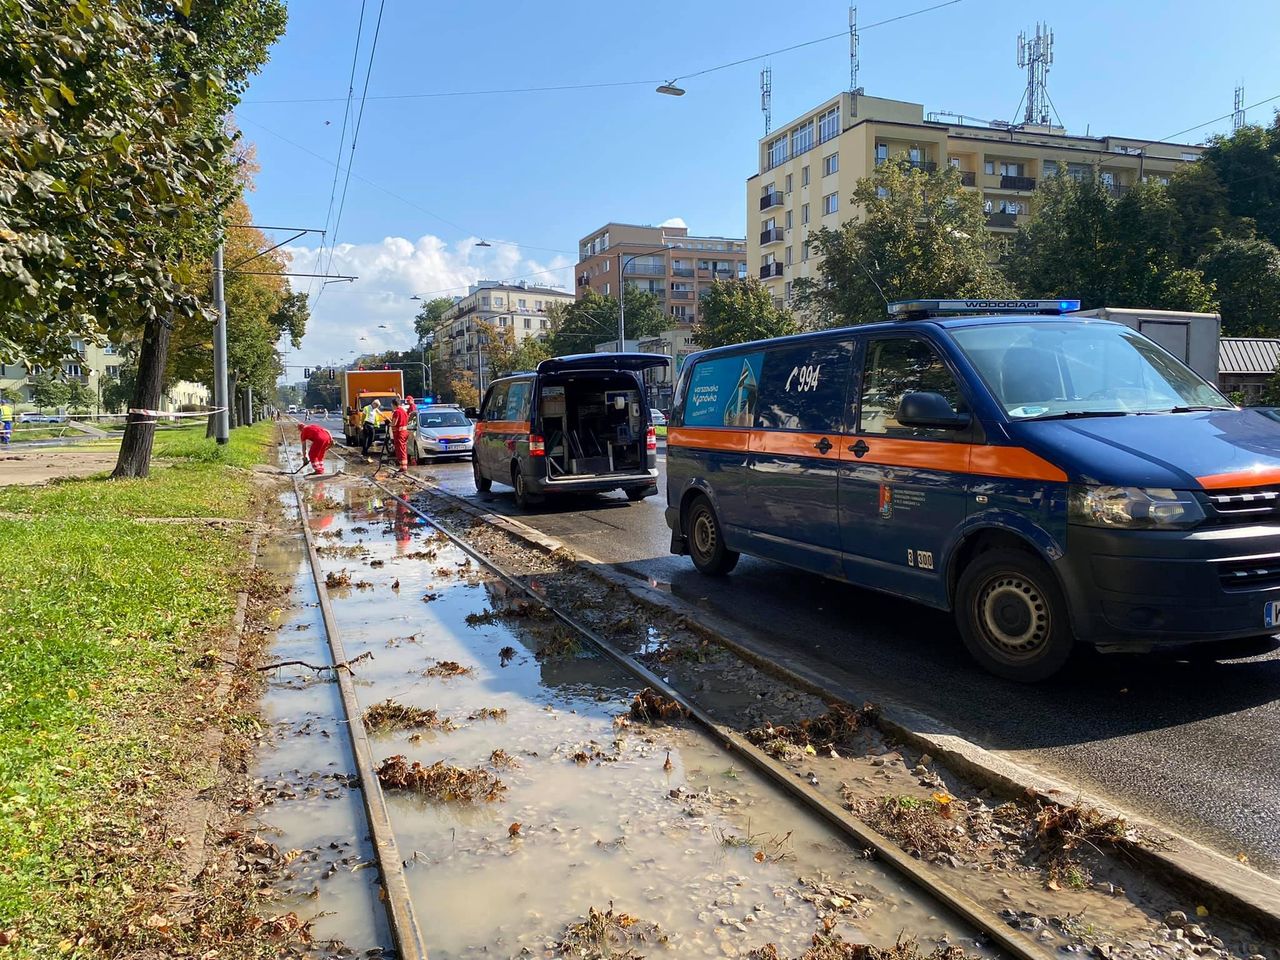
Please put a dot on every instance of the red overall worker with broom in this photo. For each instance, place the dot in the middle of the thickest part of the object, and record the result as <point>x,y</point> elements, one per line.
<point>320,440</point>
<point>400,433</point>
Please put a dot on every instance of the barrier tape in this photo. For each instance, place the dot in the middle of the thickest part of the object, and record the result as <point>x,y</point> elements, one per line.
<point>157,414</point>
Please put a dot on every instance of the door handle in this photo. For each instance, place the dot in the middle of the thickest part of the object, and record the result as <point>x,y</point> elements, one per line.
<point>859,448</point>
<point>822,446</point>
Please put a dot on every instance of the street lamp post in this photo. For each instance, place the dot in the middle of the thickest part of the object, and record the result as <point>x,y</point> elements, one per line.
<point>622,290</point>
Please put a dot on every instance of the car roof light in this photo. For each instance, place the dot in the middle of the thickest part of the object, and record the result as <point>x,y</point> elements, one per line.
<point>917,309</point>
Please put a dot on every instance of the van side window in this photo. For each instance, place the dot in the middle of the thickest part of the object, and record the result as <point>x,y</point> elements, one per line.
<point>722,391</point>
<point>496,405</point>
<point>518,400</point>
<point>894,368</point>
<point>803,387</point>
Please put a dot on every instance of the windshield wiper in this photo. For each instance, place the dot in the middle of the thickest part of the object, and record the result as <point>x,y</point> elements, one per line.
<point>1077,414</point>
<point>1194,409</point>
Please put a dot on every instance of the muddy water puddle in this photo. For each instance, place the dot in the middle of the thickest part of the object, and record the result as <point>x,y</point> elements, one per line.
<point>592,810</point>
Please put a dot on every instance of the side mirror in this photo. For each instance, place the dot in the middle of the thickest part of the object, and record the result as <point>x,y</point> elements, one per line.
<point>925,408</point>
<point>471,413</point>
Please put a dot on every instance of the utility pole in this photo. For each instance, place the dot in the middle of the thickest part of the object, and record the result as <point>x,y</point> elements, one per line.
<point>221,419</point>
<point>622,310</point>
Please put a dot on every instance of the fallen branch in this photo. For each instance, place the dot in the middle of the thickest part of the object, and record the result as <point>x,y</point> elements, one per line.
<point>345,664</point>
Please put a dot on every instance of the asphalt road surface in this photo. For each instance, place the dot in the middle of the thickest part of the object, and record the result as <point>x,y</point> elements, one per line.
<point>1191,746</point>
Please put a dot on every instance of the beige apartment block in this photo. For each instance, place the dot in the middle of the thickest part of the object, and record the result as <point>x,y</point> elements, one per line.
<point>668,262</point>
<point>808,169</point>
<point>520,307</point>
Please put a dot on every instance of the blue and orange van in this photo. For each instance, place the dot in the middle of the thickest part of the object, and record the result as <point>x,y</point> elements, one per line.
<point>1051,480</point>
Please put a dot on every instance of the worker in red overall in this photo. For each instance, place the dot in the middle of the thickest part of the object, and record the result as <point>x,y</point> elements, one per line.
<point>400,433</point>
<point>320,440</point>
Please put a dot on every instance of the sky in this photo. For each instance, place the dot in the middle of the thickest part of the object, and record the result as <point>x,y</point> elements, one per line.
<point>441,162</point>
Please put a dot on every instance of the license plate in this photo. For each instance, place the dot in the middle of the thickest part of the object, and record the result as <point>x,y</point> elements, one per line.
<point>1271,613</point>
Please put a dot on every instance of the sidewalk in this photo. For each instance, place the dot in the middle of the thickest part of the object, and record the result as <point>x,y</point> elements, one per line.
<point>26,467</point>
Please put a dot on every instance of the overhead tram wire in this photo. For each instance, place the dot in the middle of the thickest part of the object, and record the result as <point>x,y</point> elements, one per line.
<point>342,139</point>
<point>842,35</point>
<point>355,138</point>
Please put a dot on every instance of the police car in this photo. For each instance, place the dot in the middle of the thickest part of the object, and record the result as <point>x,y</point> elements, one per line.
<point>1051,480</point>
<point>443,431</point>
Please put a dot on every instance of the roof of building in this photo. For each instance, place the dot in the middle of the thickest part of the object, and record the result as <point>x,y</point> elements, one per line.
<point>1242,355</point>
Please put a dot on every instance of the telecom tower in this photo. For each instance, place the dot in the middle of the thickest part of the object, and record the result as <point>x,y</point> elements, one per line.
<point>853,50</point>
<point>1237,118</point>
<point>1036,54</point>
<point>766,98</point>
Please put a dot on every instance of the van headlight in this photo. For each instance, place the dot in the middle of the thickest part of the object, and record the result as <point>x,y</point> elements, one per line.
<point>1133,508</point>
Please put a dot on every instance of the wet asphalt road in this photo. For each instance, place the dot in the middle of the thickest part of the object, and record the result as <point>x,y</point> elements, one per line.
<point>1191,746</point>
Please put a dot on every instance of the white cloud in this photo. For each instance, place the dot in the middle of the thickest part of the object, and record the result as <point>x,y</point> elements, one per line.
<point>391,271</point>
<point>674,222</point>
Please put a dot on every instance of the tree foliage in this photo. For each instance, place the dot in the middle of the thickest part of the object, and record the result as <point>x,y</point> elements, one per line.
<point>577,327</point>
<point>1246,274</point>
<point>921,234</point>
<point>505,354</point>
<point>1108,251</point>
<point>429,316</point>
<point>48,390</point>
<point>737,311</point>
<point>1247,164</point>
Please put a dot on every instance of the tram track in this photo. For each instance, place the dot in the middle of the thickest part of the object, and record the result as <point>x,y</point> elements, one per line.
<point>996,933</point>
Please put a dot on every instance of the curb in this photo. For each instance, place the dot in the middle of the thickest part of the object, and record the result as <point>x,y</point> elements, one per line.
<point>1215,881</point>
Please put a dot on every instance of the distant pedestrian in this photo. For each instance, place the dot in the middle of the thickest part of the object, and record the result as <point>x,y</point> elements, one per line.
<point>6,422</point>
<point>369,426</point>
<point>320,440</point>
<point>400,434</point>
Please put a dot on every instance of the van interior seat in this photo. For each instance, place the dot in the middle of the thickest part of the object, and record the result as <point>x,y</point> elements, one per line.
<point>1028,375</point>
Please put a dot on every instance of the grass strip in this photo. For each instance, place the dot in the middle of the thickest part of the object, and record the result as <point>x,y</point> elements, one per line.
<point>102,624</point>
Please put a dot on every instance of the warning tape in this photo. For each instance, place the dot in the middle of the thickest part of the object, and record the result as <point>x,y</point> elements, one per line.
<point>168,415</point>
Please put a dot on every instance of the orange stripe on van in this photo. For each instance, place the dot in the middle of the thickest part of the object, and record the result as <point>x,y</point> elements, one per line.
<point>709,438</point>
<point>1254,476</point>
<point>894,452</point>
<point>1016,462</point>
<point>502,426</point>
<point>793,444</point>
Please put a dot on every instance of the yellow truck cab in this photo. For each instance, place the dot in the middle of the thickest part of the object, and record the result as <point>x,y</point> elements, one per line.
<point>359,389</point>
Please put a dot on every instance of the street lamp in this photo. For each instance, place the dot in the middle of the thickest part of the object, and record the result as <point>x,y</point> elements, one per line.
<point>670,89</point>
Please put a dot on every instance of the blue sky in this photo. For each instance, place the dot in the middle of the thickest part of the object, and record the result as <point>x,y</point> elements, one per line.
<point>432,174</point>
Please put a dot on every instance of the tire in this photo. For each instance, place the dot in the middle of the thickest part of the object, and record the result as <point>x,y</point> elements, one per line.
<point>483,483</point>
<point>1012,616</point>
<point>524,499</point>
<point>636,494</point>
<point>706,540</point>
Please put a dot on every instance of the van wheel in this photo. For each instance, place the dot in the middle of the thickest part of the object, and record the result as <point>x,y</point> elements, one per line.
<point>706,541</point>
<point>483,483</point>
<point>524,499</point>
<point>1012,616</point>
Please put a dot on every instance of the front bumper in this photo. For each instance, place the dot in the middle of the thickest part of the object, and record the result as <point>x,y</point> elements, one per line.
<point>1138,589</point>
<point>437,448</point>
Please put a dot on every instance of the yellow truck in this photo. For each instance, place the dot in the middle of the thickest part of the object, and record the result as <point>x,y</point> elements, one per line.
<point>362,387</point>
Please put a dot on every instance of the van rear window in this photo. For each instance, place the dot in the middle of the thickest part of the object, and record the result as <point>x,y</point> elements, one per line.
<point>722,392</point>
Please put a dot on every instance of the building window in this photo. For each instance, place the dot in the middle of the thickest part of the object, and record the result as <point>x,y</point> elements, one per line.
<point>804,175</point>
<point>497,301</point>
<point>1011,169</point>
<point>604,267</point>
<point>787,258</point>
<point>787,220</point>
<point>830,164</point>
<point>804,213</point>
<point>829,125</point>
<point>770,224</point>
<point>788,183</point>
<point>528,323</point>
<point>502,321</point>
<point>606,289</point>
<point>802,139</point>
<point>777,152</point>
<point>545,323</point>
<point>804,251</point>
<point>882,153</point>
<point>829,203</point>
<point>786,290</point>
<point>989,168</point>
<point>1050,168</point>
<point>1187,155</point>
<point>953,162</point>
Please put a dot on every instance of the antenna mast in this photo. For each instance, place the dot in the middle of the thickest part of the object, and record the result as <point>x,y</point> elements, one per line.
<point>1237,118</point>
<point>1035,54</point>
<point>766,98</point>
<point>853,51</point>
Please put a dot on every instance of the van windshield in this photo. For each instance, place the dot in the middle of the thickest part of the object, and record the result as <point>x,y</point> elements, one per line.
<point>1041,370</point>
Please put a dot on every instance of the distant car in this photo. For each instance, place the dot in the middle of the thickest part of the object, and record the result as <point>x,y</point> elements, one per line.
<point>293,408</point>
<point>33,417</point>
<point>443,431</point>
<point>659,421</point>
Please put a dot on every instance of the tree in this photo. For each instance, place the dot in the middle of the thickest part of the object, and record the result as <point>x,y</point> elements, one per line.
<point>79,396</point>
<point>118,390</point>
<point>736,311</point>
<point>48,391</point>
<point>465,392</point>
<point>428,318</point>
<point>920,234</point>
<point>577,327</point>
<point>1201,215</point>
<point>1246,274</point>
<point>1247,163</point>
<point>504,354</point>
<point>1122,252</point>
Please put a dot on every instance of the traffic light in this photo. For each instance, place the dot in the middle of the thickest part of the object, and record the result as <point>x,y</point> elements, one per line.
<point>332,374</point>
<point>306,373</point>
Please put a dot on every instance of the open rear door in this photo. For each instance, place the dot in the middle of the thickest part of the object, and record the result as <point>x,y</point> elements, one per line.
<point>582,362</point>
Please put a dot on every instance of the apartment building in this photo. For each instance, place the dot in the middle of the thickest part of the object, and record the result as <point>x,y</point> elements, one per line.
<point>808,169</point>
<point>521,307</point>
<point>668,262</point>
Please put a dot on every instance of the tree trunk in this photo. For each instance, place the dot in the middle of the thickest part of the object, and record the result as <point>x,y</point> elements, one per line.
<point>233,400</point>
<point>140,429</point>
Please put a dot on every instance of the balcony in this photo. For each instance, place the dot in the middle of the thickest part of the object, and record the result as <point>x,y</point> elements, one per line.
<point>1017,183</point>
<point>1002,220</point>
<point>968,178</point>
<point>681,294</point>
<point>772,235</point>
<point>646,269</point>
<point>682,271</point>
<point>928,166</point>
<point>704,274</point>
<point>1117,189</point>
<point>773,199</point>
<point>770,270</point>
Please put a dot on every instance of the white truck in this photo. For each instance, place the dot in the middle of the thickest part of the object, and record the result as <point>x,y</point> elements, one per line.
<point>1191,337</point>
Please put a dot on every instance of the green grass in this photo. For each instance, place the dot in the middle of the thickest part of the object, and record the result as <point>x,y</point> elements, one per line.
<point>101,620</point>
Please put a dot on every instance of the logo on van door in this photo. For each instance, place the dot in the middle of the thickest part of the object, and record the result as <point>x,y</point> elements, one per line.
<point>886,501</point>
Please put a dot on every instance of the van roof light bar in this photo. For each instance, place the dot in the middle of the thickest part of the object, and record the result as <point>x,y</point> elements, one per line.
<point>918,309</point>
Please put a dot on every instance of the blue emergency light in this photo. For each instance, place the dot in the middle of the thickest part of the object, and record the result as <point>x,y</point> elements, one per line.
<point>916,309</point>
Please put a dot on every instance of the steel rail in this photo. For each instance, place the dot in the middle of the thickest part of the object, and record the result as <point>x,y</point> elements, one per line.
<point>970,911</point>
<point>405,930</point>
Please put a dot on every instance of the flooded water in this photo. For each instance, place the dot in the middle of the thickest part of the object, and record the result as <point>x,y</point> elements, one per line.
<point>654,820</point>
